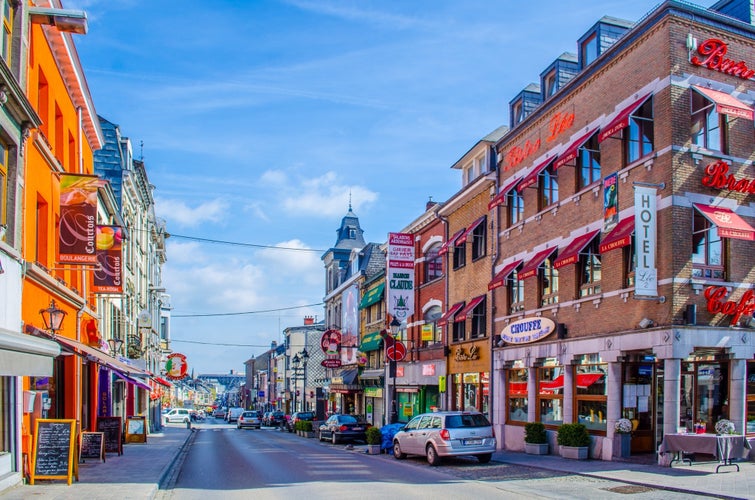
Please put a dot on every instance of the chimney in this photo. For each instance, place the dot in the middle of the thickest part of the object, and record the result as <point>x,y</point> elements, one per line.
<point>273,344</point>
<point>430,204</point>
<point>309,320</point>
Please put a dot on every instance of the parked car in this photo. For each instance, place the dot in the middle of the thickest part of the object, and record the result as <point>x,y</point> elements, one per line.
<point>233,414</point>
<point>446,434</point>
<point>339,428</point>
<point>182,415</point>
<point>276,418</point>
<point>220,412</point>
<point>299,415</point>
<point>249,419</point>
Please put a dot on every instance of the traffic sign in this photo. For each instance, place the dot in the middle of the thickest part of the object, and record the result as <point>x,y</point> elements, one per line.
<point>396,352</point>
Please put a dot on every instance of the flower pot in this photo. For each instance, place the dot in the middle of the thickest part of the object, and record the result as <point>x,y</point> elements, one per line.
<point>536,448</point>
<point>575,452</point>
<point>626,445</point>
<point>373,449</point>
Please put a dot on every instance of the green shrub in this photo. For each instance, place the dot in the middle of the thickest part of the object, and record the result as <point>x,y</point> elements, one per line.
<point>573,435</point>
<point>534,433</point>
<point>374,436</point>
<point>306,425</point>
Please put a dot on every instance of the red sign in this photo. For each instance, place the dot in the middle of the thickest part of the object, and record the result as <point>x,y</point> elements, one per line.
<point>718,177</point>
<point>396,352</point>
<point>331,363</point>
<point>330,342</point>
<point>176,367</point>
<point>714,51</point>
<point>716,305</point>
<point>558,124</point>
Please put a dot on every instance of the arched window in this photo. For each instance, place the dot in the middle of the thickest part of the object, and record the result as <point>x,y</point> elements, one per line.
<point>431,332</point>
<point>433,264</point>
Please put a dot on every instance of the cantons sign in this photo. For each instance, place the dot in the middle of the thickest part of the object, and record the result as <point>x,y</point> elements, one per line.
<point>527,330</point>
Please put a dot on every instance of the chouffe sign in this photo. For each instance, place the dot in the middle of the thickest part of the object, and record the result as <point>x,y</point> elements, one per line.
<point>527,330</point>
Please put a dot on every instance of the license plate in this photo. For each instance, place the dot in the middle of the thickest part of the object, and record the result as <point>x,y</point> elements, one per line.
<point>357,428</point>
<point>470,442</point>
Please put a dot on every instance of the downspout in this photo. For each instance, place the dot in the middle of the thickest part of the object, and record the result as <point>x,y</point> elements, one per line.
<point>444,221</point>
<point>495,224</point>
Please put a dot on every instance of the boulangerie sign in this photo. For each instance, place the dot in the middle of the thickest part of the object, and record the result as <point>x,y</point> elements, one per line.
<point>108,278</point>
<point>78,218</point>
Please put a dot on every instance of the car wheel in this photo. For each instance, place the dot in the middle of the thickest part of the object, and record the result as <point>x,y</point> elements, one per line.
<point>397,453</point>
<point>333,438</point>
<point>238,426</point>
<point>319,436</point>
<point>432,455</point>
<point>484,458</point>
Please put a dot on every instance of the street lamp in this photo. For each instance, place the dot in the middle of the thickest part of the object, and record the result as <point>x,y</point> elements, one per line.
<point>295,362</point>
<point>304,361</point>
<point>52,317</point>
<point>115,346</point>
<point>395,325</point>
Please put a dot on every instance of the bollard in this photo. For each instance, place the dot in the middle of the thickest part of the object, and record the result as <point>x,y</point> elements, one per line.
<point>188,424</point>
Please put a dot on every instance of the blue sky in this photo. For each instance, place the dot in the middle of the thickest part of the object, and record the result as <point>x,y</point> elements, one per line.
<point>260,118</point>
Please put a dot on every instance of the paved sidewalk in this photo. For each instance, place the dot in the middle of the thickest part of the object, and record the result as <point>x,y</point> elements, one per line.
<point>135,474</point>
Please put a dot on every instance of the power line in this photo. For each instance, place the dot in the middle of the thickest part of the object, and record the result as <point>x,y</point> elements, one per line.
<point>244,312</point>
<point>219,343</point>
<point>239,244</point>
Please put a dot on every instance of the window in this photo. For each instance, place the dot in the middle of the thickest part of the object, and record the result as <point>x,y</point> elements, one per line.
<point>591,393</point>
<point>515,288</point>
<point>460,255</point>
<point>548,282</point>
<point>479,240</point>
<point>4,184</point>
<point>704,391</point>
<point>590,269</point>
<point>433,264</point>
<point>630,263</point>
<point>517,378</point>
<point>550,393</point>
<point>42,232</point>
<point>480,165</point>
<point>548,187</point>
<point>431,332</point>
<point>515,202</point>
<point>458,331</point>
<point>7,39</point>
<point>479,320</point>
<point>550,84</point>
<point>374,312</point>
<point>639,133</point>
<point>707,249</point>
<point>589,50</point>
<point>468,174</point>
<point>588,162</point>
<point>750,411</point>
<point>517,111</point>
<point>43,102</point>
<point>708,126</point>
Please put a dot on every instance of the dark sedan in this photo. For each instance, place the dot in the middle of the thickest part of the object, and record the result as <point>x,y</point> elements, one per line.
<point>340,428</point>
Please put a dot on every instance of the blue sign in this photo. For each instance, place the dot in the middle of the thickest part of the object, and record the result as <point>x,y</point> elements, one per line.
<point>261,394</point>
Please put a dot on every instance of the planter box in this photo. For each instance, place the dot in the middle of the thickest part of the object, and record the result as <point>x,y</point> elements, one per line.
<point>575,452</point>
<point>373,449</point>
<point>309,434</point>
<point>536,448</point>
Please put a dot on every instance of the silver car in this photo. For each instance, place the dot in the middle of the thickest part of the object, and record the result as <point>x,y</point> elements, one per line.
<point>446,434</point>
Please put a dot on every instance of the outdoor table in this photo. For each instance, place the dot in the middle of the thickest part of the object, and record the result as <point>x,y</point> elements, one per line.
<point>725,447</point>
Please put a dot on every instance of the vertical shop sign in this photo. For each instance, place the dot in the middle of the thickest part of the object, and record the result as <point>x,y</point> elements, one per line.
<point>646,274</point>
<point>400,277</point>
<point>610,202</point>
<point>349,325</point>
<point>108,277</point>
<point>78,218</point>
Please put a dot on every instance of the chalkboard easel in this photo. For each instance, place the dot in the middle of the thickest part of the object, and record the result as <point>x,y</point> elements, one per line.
<point>92,445</point>
<point>136,429</point>
<point>54,450</point>
<point>112,427</point>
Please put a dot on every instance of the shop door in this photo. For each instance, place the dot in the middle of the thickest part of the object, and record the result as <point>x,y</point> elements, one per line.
<point>638,404</point>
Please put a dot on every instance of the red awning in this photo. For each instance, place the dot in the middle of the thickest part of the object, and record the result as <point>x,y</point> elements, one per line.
<point>621,120</point>
<point>98,356</point>
<point>470,307</point>
<point>531,178</point>
<point>517,388</point>
<point>547,386</point>
<point>570,253</point>
<point>726,103</point>
<point>729,224</point>
<point>501,196</point>
<point>162,381</point>
<point>619,237</point>
<point>453,310</point>
<point>584,380</point>
<point>530,269</point>
<point>573,150</point>
<point>451,242</point>
<point>499,278</point>
<point>463,237</point>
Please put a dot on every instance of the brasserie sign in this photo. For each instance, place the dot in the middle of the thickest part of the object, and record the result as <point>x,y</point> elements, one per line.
<point>527,330</point>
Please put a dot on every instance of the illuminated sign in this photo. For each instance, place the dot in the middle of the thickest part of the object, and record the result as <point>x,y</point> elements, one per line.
<point>714,51</point>
<point>716,305</point>
<point>718,177</point>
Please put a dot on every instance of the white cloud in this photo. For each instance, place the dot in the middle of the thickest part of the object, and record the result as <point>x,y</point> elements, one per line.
<point>181,213</point>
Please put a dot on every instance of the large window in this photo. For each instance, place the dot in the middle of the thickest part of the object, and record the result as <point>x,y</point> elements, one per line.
<point>709,127</point>
<point>433,264</point>
<point>591,394</point>
<point>550,393</point>
<point>460,255</point>
<point>431,332</point>
<point>590,269</point>
<point>515,207</point>
<point>707,249</point>
<point>750,418</point>
<point>704,397</point>
<point>639,134</point>
<point>7,39</point>
<point>548,282</point>
<point>517,378</point>
<point>479,240</point>
<point>479,320</point>
<point>515,288</point>
<point>548,187</point>
<point>588,162</point>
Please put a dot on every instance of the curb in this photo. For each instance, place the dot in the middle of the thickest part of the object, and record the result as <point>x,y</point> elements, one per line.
<point>167,476</point>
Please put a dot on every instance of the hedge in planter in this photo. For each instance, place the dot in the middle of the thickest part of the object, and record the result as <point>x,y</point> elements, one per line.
<point>574,435</point>
<point>374,436</point>
<point>534,433</point>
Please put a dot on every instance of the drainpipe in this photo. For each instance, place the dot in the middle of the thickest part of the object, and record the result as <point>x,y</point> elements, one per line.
<point>444,221</point>
<point>495,224</point>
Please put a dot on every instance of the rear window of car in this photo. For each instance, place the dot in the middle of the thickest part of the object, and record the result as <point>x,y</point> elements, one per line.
<point>461,421</point>
<point>346,419</point>
<point>248,414</point>
<point>305,415</point>
<point>277,413</point>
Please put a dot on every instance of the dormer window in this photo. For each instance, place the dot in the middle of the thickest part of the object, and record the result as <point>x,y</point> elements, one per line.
<point>589,49</point>
<point>549,83</point>
<point>524,103</point>
<point>600,38</point>
<point>352,234</point>
<point>518,112</point>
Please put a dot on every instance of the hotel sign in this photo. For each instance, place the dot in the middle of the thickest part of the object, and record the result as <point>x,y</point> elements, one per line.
<point>527,330</point>
<point>646,228</point>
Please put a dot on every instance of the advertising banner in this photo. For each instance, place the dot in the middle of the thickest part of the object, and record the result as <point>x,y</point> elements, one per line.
<point>610,202</point>
<point>78,218</point>
<point>108,278</point>
<point>646,227</point>
<point>350,325</point>
<point>400,278</point>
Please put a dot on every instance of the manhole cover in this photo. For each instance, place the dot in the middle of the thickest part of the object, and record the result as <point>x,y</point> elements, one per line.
<point>629,489</point>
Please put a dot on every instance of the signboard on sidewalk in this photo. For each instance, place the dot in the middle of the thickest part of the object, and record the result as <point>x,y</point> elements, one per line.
<point>136,429</point>
<point>112,427</point>
<point>92,446</point>
<point>54,450</point>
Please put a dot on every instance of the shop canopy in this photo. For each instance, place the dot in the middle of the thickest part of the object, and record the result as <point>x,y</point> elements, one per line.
<point>500,278</point>
<point>451,242</point>
<point>500,198</point>
<point>371,342</point>
<point>730,225</point>
<point>470,307</point>
<point>620,236</point>
<point>131,380</point>
<point>162,381</point>
<point>621,120</point>
<point>570,253</point>
<point>584,380</point>
<point>531,178</point>
<point>573,150</point>
<point>451,311</point>
<point>725,103</point>
<point>530,269</point>
<point>517,388</point>
<point>372,296</point>
<point>463,238</point>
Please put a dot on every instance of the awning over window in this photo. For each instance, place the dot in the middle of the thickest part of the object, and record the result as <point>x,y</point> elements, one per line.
<point>372,296</point>
<point>573,150</point>
<point>584,380</point>
<point>729,224</point>
<point>570,253</point>
<point>451,242</point>
<point>620,236</point>
<point>371,342</point>
<point>131,380</point>
<point>501,196</point>
<point>500,278</point>
<point>162,381</point>
<point>530,269</point>
<point>470,307</point>
<point>621,120</point>
<point>726,104</point>
<point>22,354</point>
<point>463,237</point>
<point>517,388</point>
<point>448,314</point>
<point>531,178</point>
<point>99,356</point>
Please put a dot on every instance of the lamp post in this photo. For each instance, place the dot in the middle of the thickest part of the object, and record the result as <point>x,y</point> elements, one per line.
<point>295,362</point>
<point>304,361</point>
<point>52,317</point>
<point>115,346</point>
<point>394,325</point>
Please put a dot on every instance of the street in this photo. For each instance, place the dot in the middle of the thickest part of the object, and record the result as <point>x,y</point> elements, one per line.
<point>268,463</point>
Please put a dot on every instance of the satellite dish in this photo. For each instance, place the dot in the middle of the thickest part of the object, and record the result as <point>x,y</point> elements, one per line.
<point>145,318</point>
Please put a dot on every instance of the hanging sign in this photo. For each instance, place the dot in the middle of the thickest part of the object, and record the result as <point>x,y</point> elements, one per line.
<point>330,343</point>
<point>78,218</point>
<point>108,278</point>
<point>645,224</point>
<point>400,278</point>
<point>176,367</point>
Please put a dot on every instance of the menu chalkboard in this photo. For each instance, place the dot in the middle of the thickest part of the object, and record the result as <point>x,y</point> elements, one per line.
<point>92,446</point>
<point>136,429</point>
<point>53,452</point>
<point>112,427</point>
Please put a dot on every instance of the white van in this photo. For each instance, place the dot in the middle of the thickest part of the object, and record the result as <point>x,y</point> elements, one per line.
<point>234,414</point>
<point>181,415</point>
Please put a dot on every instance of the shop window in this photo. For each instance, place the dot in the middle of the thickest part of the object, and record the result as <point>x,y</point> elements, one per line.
<point>637,394</point>
<point>588,162</point>
<point>591,392</point>
<point>471,392</point>
<point>630,263</point>
<point>460,255</point>
<point>517,393</point>
<point>548,282</point>
<point>704,397</point>
<point>548,187</point>
<point>479,320</point>
<point>433,263</point>
<point>590,269</point>
<point>479,240</point>
<point>550,393</point>
<point>515,288</point>
<point>750,418</point>
<point>707,249</point>
<point>458,333</point>
<point>515,207</point>
<point>709,127</point>
<point>431,332</point>
<point>638,136</point>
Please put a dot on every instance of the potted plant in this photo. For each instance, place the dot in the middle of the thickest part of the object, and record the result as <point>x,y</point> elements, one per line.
<point>306,428</point>
<point>574,441</point>
<point>535,439</point>
<point>623,429</point>
<point>374,438</point>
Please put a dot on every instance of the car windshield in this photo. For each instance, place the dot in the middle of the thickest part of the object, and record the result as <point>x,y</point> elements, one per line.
<point>460,421</point>
<point>346,419</point>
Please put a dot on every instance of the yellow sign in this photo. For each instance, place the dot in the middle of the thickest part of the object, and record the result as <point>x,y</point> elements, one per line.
<point>427,332</point>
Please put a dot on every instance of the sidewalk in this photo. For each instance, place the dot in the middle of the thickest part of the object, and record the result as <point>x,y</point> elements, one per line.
<point>135,474</point>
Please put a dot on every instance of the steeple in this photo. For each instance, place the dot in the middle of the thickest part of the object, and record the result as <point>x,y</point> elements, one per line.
<point>350,233</point>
